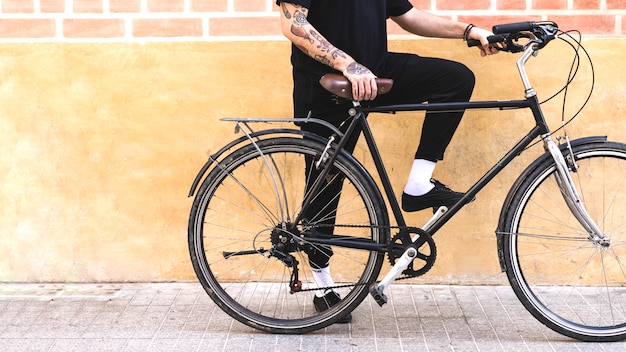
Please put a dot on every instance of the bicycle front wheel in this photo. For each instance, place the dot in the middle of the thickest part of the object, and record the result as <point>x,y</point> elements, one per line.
<point>569,282</point>
<point>255,262</point>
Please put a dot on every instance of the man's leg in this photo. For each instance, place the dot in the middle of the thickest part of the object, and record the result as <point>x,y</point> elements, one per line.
<point>432,80</point>
<point>323,208</point>
<point>322,211</point>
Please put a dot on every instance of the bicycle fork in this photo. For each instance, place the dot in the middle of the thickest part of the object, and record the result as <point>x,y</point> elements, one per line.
<point>569,192</point>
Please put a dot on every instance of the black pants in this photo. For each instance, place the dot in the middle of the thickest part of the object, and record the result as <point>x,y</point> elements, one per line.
<point>416,80</point>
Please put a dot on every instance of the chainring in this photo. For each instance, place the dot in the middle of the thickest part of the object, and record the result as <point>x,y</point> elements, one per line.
<point>426,251</point>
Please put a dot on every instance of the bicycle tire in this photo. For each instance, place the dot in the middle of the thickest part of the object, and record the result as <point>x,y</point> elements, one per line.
<point>248,195</point>
<point>569,283</point>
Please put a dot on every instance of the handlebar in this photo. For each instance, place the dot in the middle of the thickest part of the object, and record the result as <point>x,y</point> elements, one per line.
<point>539,33</point>
<point>512,27</point>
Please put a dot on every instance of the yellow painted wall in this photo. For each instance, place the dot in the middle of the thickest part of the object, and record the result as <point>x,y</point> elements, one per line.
<point>100,142</point>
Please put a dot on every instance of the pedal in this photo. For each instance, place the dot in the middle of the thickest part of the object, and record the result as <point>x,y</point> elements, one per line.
<point>378,294</point>
<point>376,290</point>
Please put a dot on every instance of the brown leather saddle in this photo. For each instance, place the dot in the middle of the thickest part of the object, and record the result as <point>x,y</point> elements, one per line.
<point>341,87</point>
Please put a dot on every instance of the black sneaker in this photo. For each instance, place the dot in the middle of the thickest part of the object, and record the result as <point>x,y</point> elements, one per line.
<point>436,197</point>
<point>329,300</point>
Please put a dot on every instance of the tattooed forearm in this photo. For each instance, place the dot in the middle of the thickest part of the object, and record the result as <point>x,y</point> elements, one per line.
<point>298,23</point>
<point>315,45</point>
<point>300,17</point>
<point>356,69</point>
<point>323,45</point>
<point>301,32</point>
<point>303,49</point>
<point>326,47</point>
<point>337,53</point>
<point>324,60</point>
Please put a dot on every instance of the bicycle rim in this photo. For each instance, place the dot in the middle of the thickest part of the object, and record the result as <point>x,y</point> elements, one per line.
<point>246,200</point>
<point>568,282</point>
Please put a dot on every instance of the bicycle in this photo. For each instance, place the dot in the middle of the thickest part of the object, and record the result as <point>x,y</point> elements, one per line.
<point>560,232</point>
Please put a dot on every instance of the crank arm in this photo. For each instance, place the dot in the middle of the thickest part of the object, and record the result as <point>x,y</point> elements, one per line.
<point>377,289</point>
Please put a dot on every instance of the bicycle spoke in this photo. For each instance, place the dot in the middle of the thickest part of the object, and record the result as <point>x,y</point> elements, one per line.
<point>256,263</point>
<point>573,282</point>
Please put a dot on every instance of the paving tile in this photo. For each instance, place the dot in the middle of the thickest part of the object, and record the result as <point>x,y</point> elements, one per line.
<point>181,317</point>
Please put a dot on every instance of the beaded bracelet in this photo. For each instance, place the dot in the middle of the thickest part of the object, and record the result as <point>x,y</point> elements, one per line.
<point>467,30</point>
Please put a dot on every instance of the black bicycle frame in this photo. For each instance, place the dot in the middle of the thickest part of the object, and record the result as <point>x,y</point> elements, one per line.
<point>359,123</point>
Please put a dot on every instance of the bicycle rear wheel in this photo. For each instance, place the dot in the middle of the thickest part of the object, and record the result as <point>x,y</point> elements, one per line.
<point>570,283</point>
<point>252,259</point>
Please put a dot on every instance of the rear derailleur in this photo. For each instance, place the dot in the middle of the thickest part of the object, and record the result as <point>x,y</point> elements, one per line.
<point>283,244</point>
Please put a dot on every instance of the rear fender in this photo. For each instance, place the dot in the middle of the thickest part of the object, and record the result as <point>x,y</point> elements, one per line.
<point>246,139</point>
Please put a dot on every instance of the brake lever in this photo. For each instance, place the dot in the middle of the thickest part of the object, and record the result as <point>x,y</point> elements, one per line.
<point>545,34</point>
<point>511,42</point>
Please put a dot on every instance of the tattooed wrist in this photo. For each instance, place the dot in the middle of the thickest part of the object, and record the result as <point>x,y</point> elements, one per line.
<point>356,69</point>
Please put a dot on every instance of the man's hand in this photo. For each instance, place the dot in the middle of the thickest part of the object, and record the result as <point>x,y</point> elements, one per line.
<point>481,34</point>
<point>363,81</point>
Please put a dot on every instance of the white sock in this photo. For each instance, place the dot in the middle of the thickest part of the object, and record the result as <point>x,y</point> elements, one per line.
<point>419,178</point>
<point>322,279</point>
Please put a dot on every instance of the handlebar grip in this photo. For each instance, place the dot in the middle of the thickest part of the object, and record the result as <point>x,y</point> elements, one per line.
<point>492,39</point>
<point>513,27</point>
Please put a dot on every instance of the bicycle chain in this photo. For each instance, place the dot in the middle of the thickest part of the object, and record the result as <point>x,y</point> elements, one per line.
<point>404,275</point>
<point>366,226</point>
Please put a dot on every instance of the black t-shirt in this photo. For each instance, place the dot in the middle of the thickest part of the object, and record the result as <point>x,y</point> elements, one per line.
<point>358,27</point>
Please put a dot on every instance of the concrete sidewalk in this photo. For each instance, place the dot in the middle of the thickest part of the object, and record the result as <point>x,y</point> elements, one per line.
<point>181,317</point>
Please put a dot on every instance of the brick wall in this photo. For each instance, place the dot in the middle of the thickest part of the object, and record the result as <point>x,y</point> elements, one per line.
<point>185,20</point>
